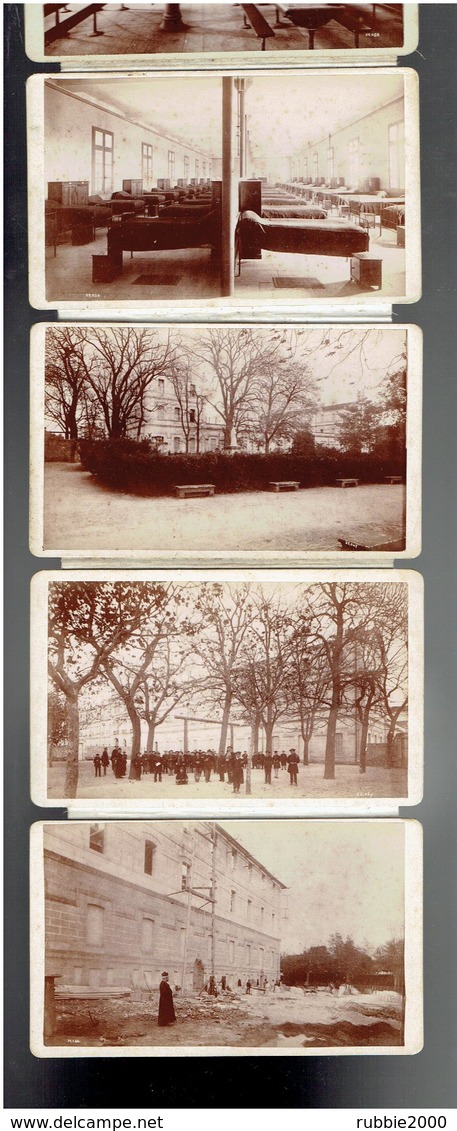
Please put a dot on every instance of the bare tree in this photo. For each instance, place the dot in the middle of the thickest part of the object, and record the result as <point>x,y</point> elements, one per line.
<point>261,681</point>
<point>281,404</point>
<point>162,689</point>
<point>115,369</point>
<point>308,684</point>
<point>226,615</point>
<point>65,376</point>
<point>86,622</point>
<point>189,402</point>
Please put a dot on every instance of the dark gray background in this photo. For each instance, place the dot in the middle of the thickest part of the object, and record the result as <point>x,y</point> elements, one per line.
<point>427,1080</point>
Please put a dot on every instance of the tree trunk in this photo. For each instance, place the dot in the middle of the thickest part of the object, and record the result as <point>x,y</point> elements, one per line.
<point>72,764</point>
<point>225,721</point>
<point>151,733</point>
<point>269,728</point>
<point>255,735</point>
<point>363,741</point>
<point>329,768</point>
<point>305,738</point>
<point>136,734</point>
<point>390,744</point>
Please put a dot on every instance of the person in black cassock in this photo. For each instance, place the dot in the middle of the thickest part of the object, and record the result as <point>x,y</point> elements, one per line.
<point>166,1008</point>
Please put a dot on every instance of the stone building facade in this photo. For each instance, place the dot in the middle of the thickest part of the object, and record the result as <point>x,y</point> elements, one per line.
<point>125,901</point>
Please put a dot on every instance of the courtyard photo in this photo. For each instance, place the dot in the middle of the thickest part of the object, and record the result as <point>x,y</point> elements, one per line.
<point>279,937</point>
<point>208,440</point>
<point>182,692</point>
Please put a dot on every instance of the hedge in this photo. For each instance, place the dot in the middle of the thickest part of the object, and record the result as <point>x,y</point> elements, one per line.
<point>132,467</point>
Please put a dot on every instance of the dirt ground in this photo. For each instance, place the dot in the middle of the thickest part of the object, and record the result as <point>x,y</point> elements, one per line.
<point>348,782</point>
<point>288,1018</point>
<point>80,514</point>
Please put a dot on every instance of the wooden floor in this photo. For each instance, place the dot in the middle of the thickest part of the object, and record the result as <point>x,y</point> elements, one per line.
<point>210,28</point>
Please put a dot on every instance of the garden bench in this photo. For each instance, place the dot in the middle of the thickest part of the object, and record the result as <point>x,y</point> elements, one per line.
<point>394,479</point>
<point>347,482</point>
<point>190,489</point>
<point>284,485</point>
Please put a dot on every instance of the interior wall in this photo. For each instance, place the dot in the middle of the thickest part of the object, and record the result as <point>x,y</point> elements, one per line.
<point>373,133</point>
<point>68,144</point>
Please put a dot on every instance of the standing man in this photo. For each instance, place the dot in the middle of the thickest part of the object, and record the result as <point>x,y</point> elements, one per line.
<point>292,766</point>
<point>98,766</point>
<point>105,761</point>
<point>167,1014</point>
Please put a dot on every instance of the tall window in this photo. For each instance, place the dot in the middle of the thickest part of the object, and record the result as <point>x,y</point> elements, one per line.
<point>234,857</point>
<point>97,838</point>
<point>147,934</point>
<point>315,166</point>
<point>354,162</point>
<point>397,155</point>
<point>102,160</point>
<point>305,168</point>
<point>262,916</point>
<point>146,164</point>
<point>161,384</point>
<point>231,951</point>
<point>232,900</point>
<point>149,849</point>
<point>197,168</point>
<point>185,876</point>
<point>94,924</point>
<point>176,443</point>
<point>248,953</point>
<point>177,413</point>
<point>249,909</point>
<point>171,164</point>
<point>204,168</point>
<point>186,167</point>
<point>161,412</point>
<point>330,163</point>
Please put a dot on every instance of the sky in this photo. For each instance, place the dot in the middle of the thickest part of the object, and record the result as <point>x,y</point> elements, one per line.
<point>344,877</point>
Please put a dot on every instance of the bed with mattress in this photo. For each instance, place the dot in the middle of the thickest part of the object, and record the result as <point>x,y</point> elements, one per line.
<point>293,212</point>
<point>255,234</point>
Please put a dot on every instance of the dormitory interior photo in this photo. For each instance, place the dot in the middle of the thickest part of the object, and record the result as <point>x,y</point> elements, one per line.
<point>129,29</point>
<point>195,188</point>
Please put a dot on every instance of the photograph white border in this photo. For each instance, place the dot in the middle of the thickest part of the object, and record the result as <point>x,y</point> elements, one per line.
<point>233,308</point>
<point>413,973</point>
<point>235,806</point>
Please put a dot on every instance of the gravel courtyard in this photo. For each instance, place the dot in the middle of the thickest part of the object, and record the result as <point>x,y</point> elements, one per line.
<point>80,514</point>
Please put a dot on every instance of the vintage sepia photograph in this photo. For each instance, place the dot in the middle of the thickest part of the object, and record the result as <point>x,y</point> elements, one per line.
<point>269,188</point>
<point>179,440</point>
<point>279,937</point>
<point>206,31</point>
<point>183,692</point>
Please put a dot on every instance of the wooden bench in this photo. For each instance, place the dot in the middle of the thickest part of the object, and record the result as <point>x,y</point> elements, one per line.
<point>191,489</point>
<point>353,21</point>
<point>62,27</point>
<point>394,479</point>
<point>347,483</point>
<point>284,485</point>
<point>258,23</point>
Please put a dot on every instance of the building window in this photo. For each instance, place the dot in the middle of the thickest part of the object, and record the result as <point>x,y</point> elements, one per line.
<point>315,166</point>
<point>147,934</point>
<point>232,900</point>
<point>94,924</point>
<point>262,916</point>
<point>248,953</point>
<point>397,155</point>
<point>261,955</point>
<point>182,941</point>
<point>161,412</point>
<point>192,390</point>
<point>185,876</point>
<point>102,160</point>
<point>249,909</point>
<point>330,163</point>
<point>161,384</point>
<point>177,412</point>
<point>171,164</point>
<point>146,164</point>
<point>204,168</point>
<point>192,415</point>
<point>354,162</point>
<point>186,168</point>
<point>149,849</point>
<point>197,168</point>
<point>273,920</point>
<point>231,951</point>
<point>97,838</point>
<point>192,445</point>
<point>176,443</point>
<point>305,168</point>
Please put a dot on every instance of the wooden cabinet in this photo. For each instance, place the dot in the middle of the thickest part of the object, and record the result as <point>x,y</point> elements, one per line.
<point>135,188</point>
<point>68,193</point>
<point>250,196</point>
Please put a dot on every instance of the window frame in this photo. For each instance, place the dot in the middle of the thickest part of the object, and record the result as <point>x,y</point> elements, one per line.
<point>107,185</point>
